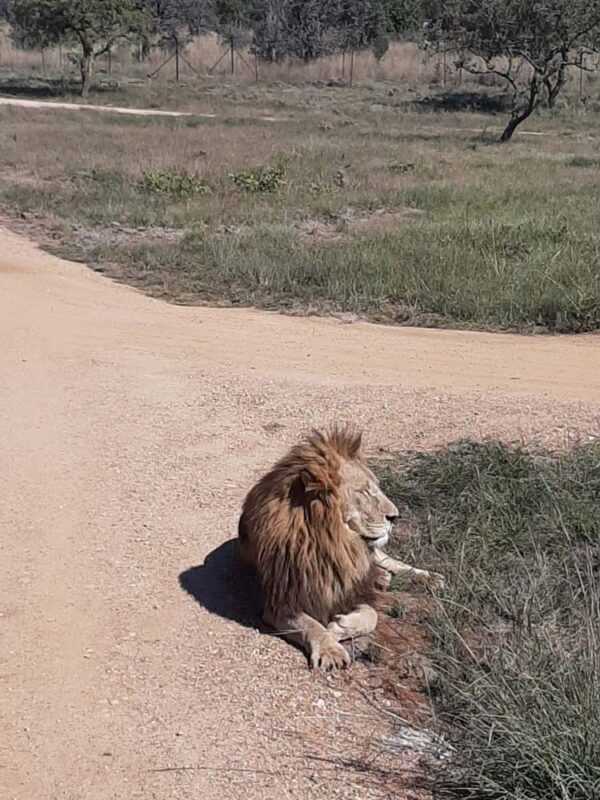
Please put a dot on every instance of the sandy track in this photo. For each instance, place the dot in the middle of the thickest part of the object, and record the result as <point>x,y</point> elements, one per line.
<point>129,432</point>
<point>136,112</point>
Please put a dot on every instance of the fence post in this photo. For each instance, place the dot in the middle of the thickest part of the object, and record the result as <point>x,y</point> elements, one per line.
<point>177,60</point>
<point>445,66</point>
<point>232,56</point>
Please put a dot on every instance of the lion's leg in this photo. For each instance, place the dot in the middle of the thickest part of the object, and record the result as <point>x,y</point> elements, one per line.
<point>395,567</point>
<point>359,622</point>
<point>322,647</point>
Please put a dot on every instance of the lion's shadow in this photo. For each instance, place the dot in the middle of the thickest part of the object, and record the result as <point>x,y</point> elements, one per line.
<point>225,586</point>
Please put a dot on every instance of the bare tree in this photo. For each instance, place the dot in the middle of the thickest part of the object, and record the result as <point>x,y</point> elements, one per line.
<point>529,44</point>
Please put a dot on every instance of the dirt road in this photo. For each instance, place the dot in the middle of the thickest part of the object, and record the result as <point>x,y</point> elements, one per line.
<point>129,433</point>
<point>130,110</point>
<point>155,112</point>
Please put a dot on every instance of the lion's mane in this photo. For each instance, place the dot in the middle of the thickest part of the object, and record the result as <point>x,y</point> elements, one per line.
<point>292,529</point>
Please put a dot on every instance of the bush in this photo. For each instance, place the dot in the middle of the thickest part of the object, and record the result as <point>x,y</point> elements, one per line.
<point>401,166</point>
<point>261,179</point>
<point>585,162</point>
<point>515,637</point>
<point>176,184</point>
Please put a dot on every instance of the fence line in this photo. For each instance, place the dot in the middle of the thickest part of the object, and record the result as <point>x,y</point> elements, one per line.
<point>206,57</point>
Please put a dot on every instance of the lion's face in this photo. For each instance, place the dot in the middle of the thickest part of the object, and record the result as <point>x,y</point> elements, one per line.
<point>367,510</point>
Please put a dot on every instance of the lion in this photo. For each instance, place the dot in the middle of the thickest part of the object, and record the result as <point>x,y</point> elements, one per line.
<point>313,528</point>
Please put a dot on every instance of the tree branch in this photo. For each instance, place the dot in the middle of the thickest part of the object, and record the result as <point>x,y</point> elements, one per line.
<point>491,70</point>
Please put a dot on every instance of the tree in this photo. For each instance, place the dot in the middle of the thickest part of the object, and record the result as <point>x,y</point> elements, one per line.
<point>94,25</point>
<point>527,43</point>
<point>299,28</point>
<point>175,23</point>
<point>174,16</point>
<point>232,23</point>
<point>5,6</point>
<point>364,24</point>
<point>270,30</point>
<point>361,24</point>
<point>310,29</point>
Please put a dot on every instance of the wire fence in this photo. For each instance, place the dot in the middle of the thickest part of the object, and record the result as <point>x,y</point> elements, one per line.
<point>206,58</point>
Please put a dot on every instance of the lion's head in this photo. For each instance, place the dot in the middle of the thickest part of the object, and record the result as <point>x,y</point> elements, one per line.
<point>307,526</point>
<point>367,510</point>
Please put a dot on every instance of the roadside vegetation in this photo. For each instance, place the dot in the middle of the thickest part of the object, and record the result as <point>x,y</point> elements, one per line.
<point>354,201</point>
<point>515,636</point>
<point>528,47</point>
<point>382,197</point>
<point>340,160</point>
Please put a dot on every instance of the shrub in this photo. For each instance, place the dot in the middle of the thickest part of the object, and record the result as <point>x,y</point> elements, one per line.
<point>173,183</point>
<point>583,161</point>
<point>401,166</point>
<point>261,179</point>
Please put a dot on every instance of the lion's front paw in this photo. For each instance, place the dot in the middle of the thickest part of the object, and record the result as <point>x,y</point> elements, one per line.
<point>436,581</point>
<point>329,654</point>
<point>431,579</point>
<point>360,622</point>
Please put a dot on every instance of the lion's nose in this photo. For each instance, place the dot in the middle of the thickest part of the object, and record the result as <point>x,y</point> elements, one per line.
<point>391,518</point>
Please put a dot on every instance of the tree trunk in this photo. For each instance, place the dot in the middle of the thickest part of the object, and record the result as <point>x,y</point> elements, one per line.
<point>517,117</point>
<point>512,126</point>
<point>553,90</point>
<point>87,71</point>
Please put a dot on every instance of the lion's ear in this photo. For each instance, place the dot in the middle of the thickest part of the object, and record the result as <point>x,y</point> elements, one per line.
<point>354,443</point>
<point>346,440</point>
<point>319,480</point>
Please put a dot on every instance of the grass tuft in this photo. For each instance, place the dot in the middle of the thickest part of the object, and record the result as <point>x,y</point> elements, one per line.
<point>516,637</point>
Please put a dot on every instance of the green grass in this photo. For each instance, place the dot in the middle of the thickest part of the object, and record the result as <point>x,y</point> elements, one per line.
<point>515,637</point>
<point>472,235</point>
<point>475,273</point>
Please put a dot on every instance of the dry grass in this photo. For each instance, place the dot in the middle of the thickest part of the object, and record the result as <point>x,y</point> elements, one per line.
<point>404,61</point>
<point>514,636</point>
<point>390,206</point>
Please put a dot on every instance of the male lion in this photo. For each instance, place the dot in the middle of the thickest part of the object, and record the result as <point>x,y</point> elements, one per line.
<point>313,527</point>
